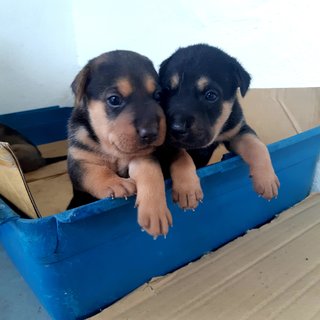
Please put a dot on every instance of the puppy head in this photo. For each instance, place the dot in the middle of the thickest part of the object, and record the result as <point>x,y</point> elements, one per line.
<point>117,99</point>
<point>199,88</point>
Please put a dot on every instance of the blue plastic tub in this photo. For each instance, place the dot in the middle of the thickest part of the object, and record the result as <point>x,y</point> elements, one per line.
<point>84,259</point>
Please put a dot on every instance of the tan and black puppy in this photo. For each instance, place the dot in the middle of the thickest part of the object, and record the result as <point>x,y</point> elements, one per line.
<point>199,98</point>
<point>116,125</point>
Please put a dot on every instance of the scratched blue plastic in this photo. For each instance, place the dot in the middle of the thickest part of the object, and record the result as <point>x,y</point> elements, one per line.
<point>82,260</point>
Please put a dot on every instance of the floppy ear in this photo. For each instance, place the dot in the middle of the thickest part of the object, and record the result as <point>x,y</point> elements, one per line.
<point>243,78</point>
<point>79,84</point>
<point>163,67</point>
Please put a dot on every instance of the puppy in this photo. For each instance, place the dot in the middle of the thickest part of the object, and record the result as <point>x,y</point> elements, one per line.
<point>199,98</point>
<point>27,153</point>
<point>116,125</point>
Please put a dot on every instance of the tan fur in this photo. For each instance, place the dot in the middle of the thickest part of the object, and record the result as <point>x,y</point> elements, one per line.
<point>216,129</point>
<point>174,81</point>
<point>256,155</point>
<point>83,137</point>
<point>230,133</point>
<point>119,136</point>
<point>149,84</point>
<point>124,86</point>
<point>202,83</point>
<point>148,201</point>
<point>186,188</point>
<point>102,182</point>
<point>88,156</point>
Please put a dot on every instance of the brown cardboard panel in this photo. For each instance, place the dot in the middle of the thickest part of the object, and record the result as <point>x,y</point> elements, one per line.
<point>52,194</point>
<point>54,149</point>
<point>277,114</point>
<point>12,183</point>
<point>50,185</point>
<point>45,191</point>
<point>280,113</point>
<point>270,273</point>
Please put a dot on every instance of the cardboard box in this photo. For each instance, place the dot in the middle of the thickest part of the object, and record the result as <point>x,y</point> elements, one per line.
<point>82,260</point>
<point>270,273</point>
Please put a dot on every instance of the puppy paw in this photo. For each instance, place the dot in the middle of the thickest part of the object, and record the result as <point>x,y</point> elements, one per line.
<point>265,183</point>
<point>154,217</point>
<point>187,191</point>
<point>119,188</point>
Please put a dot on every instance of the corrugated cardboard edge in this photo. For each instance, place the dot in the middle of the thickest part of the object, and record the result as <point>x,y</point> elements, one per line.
<point>270,273</point>
<point>13,185</point>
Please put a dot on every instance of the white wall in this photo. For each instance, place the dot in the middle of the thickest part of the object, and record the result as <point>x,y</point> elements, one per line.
<point>276,40</point>
<point>44,43</point>
<point>37,54</point>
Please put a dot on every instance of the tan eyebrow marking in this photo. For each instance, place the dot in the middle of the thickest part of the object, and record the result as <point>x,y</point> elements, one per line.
<point>202,83</point>
<point>150,84</point>
<point>124,86</point>
<point>174,81</point>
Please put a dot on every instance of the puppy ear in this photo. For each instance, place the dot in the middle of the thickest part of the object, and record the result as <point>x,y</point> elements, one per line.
<point>78,85</point>
<point>163,67</point>
<point>243,78</point>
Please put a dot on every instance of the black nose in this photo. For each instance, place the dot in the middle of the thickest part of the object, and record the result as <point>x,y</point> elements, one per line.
<point>179,128</point>
<point>148,135</point>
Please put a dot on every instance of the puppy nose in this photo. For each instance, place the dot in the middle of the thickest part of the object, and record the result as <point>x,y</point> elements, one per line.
<point>179,127</point>
<point>148,135</point>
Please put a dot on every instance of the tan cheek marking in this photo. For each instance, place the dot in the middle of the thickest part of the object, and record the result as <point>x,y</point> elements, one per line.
<point>83,136</point>
<point>202,83</point>
<point>150,84</point>
<point>174,81</point>
<point>124,86</point>
<point>99,121</point>
<point>123,129</point>
<point>125,137</point>
<point>226,111</point>
<point>230,133</point>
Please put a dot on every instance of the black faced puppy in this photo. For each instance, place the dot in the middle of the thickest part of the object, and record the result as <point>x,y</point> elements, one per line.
<point>199,98</point>
<point>28,155</point>
<point>115,126</point>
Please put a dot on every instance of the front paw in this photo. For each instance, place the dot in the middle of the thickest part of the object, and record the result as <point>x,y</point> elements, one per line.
<point>154,217</point>
<point>118,187</point>
<point>187,191</point>
<point>265,183</point>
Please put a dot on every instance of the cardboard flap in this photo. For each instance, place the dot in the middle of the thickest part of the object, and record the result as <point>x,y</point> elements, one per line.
<point>13,186</point>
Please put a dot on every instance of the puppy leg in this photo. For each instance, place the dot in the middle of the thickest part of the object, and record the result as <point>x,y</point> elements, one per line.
<point>153,213</point>
<point>101,182</point>
<point>256,155</point>
<point>186,188</point>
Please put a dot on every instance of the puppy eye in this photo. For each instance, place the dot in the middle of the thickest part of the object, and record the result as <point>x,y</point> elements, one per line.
<point>157,95</point>
<point>211,96</point>
<point>115,101</point>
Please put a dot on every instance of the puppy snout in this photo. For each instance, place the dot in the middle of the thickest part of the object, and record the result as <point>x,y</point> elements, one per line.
<point>181,126</point>
<point>148,135</point>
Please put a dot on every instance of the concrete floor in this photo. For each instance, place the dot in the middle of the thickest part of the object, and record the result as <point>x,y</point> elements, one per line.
<point>17,301</point>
